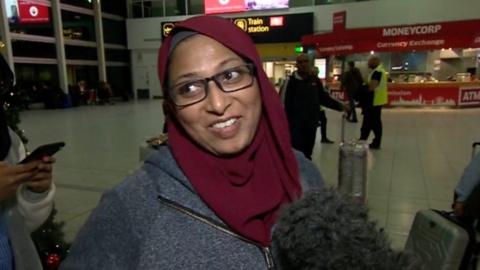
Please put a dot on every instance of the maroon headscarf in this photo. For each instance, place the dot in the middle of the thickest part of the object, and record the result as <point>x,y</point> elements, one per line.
<point>247,190</point>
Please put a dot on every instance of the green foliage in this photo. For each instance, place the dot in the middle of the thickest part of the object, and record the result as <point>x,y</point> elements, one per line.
<point>49,239</point>
<point>13,103</point>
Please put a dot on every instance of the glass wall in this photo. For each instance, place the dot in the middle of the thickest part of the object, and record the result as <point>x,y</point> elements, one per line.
<point>33,49</point>
<point>79,3</point>
<point>77,73</point>
<point>161,8</point>
<point>114,7</point>
<point>34,45</point>
<point>121,86</point>
<point>196,7</point>
<point>143,9</point>
<point>115,55</point>
<point>36,80</point>
<point>114,31</point>
<point>36,73</point>
<point>78,26</point>
<point>80,52</point>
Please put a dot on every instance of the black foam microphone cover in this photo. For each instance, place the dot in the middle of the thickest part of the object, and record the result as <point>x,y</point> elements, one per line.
<point>328,230</point>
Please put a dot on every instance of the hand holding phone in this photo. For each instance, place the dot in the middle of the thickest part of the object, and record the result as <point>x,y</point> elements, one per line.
<point>42,151</point>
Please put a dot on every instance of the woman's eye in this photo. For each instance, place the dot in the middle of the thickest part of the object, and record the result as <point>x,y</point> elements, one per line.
<point>190,88</point>
<point>231,75</point>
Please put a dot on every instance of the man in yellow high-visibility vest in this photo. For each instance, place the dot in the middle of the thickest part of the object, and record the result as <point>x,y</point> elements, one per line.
<point>372,113</point>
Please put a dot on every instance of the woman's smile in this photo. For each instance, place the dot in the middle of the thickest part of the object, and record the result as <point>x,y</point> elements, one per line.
<point>226,129</point>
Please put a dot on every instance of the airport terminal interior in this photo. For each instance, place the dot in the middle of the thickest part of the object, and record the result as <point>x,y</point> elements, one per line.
<point>422,158</point>
<point>62,50</point>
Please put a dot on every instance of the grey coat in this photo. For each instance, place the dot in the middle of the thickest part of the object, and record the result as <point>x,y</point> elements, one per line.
<point>134,226</point>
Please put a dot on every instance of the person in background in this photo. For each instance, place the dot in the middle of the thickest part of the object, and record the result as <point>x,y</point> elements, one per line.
<point>372,112</point>
<point>104,93</point>
<point>209,198</point>
<point>304,94</point>
<point>467,193</point>
<point>429,78</point>
<point>26,193</point>
<point>473,74</point>
<point>83,91</point>
<point>466,207</point>
<point>351,82</point>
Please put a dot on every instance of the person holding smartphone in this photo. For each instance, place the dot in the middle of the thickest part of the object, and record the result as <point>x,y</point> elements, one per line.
<point>26,194</point>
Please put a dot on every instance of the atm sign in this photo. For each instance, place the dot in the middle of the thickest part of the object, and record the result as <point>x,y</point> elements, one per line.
<point>469,96</point>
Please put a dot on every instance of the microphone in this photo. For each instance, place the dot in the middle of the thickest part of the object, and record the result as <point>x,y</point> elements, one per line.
<point>328,230</point>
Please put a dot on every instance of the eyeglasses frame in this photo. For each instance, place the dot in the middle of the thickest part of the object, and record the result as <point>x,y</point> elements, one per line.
<point>206,81</point>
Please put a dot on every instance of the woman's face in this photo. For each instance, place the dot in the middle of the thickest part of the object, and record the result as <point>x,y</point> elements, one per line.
<point>223,123</point>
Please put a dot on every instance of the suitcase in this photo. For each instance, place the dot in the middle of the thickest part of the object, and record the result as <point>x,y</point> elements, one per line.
<point>352,167</point>
<point>437,240</point>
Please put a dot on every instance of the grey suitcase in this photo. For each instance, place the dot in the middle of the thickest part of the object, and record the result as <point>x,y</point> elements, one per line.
<point>436,240</point>
<point>352,167</point>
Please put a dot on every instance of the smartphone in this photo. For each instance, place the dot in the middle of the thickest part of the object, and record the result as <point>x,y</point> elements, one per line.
<point>44,150</point>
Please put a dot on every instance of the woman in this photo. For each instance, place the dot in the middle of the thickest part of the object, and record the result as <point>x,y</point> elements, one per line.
<point>26,194</point>
<point>210,198</point>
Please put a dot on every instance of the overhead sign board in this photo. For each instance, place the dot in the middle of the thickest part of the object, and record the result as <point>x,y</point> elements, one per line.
<point>268,29</point>
<point>458,34</point>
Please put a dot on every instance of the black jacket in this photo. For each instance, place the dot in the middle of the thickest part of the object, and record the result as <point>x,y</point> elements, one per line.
<point>303,98</point>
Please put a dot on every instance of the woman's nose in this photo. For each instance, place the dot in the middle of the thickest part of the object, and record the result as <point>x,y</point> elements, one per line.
<point>217,100</point>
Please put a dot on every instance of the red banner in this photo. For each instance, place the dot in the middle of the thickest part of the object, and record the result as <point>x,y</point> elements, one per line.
<point>421,96</point>
<point>448,94</point>
<point>224,6</point>
<point>32,12</point>
<point>339,20</point>
<point>459,34</point>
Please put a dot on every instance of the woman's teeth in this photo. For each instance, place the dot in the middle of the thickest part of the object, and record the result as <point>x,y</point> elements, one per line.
<point>225,124</point>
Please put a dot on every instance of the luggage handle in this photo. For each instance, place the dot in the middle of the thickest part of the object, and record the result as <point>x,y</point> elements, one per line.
<point>342,130</point>
<point>474,145</point>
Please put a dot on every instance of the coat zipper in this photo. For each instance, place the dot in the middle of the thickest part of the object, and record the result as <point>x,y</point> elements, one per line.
<point>268,257</point>
<point>266,251</point>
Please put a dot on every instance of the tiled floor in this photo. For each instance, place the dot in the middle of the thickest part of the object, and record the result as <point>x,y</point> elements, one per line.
<point>423,155</point>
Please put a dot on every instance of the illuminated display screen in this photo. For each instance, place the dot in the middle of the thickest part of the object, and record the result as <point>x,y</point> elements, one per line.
<point>265,4</point>
<point>26,11</point>
<point>229,6</point>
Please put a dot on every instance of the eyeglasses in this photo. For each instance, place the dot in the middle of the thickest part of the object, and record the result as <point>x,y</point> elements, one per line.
<point>229,80</point>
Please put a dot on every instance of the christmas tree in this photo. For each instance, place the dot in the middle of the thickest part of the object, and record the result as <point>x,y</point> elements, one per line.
<point>50,243</point>
<point>11,101</point>
<point>48,239</point>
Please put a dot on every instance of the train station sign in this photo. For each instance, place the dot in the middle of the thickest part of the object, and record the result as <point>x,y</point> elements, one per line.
<point>268,29</point>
